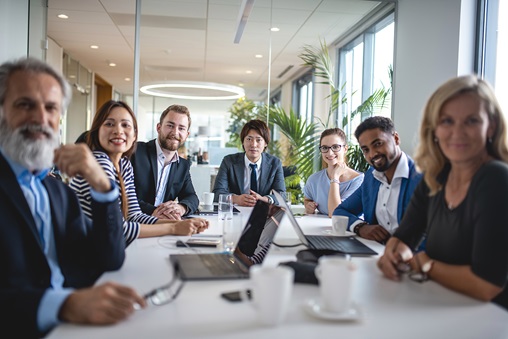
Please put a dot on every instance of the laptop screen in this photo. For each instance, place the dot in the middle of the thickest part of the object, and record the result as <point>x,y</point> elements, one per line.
<point>258,233</point>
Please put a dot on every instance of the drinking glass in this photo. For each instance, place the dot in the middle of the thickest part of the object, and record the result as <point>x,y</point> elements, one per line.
<point>225,215</point>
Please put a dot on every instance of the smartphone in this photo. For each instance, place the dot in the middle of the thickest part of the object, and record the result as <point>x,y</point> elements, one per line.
<point>236,296</point>
<point>198,242</point>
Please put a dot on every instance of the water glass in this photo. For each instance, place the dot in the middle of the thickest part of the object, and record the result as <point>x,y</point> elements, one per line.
<point>225,215</point>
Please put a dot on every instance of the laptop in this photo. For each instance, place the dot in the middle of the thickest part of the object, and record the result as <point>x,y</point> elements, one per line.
<point>215,211</point>
<point>347,245</point>
<point>253,245</point>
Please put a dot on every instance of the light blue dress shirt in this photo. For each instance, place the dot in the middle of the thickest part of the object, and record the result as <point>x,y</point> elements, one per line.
<point>39,203</point>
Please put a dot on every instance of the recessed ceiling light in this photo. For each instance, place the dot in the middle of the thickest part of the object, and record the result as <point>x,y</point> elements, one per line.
<point>63,16</point>
<point>275,29</point>
<point>259,56</point>
<point>248,72</point>
<point>112,64</point>
<point>94,46</point>
<point>240,84</point>
<point>127,79</point>
<point>72,76</point>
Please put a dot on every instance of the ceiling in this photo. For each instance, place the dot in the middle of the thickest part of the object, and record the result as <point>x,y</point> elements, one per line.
<point>192,40</point>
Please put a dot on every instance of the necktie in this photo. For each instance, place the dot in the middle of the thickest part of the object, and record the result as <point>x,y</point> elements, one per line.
<point>253,177</point>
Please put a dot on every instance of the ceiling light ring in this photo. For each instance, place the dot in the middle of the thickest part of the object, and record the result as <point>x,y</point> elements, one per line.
<point>237,91</point>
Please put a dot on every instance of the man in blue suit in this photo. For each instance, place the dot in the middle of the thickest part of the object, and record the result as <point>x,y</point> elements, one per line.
<point>251,175</point>
<point>161,177</point>
<point>51,253</point>
<point>388,185</point>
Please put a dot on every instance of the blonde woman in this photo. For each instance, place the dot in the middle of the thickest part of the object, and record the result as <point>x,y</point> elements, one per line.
<point>459,211</point>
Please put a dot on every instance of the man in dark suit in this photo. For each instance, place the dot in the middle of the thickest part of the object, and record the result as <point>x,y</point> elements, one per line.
<point>49,251</point>
<point>160,175</point>
<point>251,175</point>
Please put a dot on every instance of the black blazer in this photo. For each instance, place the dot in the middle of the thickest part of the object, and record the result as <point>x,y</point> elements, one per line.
<point>231,176</point>
<point>85,249</point>
<point>179,185</point>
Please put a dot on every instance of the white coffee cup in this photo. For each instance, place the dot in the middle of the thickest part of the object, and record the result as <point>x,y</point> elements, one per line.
<point>208,198</point>
<point>339,225</point>
<point>336,279</point>
<point>271,292</point>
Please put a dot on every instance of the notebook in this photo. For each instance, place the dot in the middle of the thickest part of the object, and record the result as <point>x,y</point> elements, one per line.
<point>215,211</point>
<point>253,245</point>
<point>346,245</point>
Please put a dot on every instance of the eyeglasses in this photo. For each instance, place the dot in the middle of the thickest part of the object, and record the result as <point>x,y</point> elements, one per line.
<point>166,293</point>
<point>405,268</point>
<point>334,148</point>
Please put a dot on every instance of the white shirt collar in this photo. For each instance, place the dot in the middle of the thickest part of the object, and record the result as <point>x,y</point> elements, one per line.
<point>401,171</point>
<point>247,161</point>
<point>161,157</point>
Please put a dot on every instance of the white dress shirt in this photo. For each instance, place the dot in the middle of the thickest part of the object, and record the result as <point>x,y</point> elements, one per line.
<point>246,174</point>
<point>163,170</point>
<point>388,195</point>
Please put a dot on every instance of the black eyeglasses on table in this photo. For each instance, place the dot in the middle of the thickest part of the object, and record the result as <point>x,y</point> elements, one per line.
<point>167,293</point>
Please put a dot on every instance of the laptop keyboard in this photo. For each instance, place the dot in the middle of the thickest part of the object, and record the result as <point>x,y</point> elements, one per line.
<point>348,245</point>
<point>220,264</point>
<point>324,243</point>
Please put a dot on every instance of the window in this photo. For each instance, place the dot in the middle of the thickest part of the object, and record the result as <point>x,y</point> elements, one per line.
<point>302,98</point>
<point>365,67</point>
<point>493,29</point>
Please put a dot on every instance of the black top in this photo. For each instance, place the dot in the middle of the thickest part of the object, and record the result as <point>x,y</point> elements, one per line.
<point>475,233</point>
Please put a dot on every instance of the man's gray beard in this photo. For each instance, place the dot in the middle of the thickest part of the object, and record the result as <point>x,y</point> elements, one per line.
<point>34,154</point>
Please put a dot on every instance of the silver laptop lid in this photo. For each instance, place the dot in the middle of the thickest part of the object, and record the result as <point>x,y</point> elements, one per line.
<point>292,218</point>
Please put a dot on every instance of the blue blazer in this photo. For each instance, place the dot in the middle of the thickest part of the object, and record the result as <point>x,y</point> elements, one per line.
<point>179,184</point>
<point>363,201</point>
<point>230,177</point>
<point>85,247</point>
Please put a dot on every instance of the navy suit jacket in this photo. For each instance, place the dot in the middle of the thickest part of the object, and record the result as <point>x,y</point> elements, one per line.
<point>230,177</point>
<point>363,200</point>
<point>179,184</point>
<point>85,249</point>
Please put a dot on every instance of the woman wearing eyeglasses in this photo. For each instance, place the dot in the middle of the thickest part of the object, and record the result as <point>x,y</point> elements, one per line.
<point>326,189</point>
<point>460,209</point>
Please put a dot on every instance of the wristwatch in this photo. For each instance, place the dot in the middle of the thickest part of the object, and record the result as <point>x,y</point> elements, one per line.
<point>356,229</point>
<point>334,181</point>
<point>426,267</point>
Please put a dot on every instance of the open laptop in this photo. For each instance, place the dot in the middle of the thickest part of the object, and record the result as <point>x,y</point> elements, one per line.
<point>347,245</point>
<point>253,245</point>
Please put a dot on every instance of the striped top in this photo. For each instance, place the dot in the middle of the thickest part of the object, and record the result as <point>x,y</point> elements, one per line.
<point>134,216</point>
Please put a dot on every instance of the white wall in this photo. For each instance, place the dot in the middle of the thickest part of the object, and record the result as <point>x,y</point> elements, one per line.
<point>13,29</point>
<point>434,41</point>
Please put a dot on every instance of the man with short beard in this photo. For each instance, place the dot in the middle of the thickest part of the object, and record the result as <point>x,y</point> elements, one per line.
<point>160,175</point>
<point>387,186</point>
<point>52,253</point>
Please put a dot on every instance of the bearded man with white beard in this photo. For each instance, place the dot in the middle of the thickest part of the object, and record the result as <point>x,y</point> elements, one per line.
<point>162,177</point>
<point>376,208</point>
<point>50,252</point>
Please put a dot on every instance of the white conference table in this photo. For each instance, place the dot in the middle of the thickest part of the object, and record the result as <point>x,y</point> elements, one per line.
<point>405,309</point>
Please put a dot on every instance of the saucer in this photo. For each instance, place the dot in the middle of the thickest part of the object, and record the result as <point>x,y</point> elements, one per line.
<point>314,308</point>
